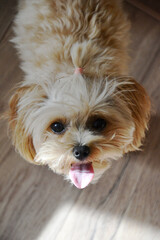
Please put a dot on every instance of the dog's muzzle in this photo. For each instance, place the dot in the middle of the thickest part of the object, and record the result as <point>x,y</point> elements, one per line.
<point>81,152</point>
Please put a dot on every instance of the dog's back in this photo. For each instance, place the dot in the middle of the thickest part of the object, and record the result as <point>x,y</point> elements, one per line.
<point>57,36</point>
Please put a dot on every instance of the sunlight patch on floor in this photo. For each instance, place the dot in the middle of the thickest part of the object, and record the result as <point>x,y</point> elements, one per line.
<point>72,222</point>
<point>137,230</point>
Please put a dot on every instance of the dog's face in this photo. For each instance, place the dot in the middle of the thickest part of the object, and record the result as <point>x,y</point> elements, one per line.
<point>73,121</point>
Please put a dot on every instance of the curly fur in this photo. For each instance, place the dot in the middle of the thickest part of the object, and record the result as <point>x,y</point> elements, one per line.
<point>53,38</point>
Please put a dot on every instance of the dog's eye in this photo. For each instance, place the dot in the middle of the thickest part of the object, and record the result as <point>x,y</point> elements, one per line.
<point>57,127</point>
<point>99,124</point>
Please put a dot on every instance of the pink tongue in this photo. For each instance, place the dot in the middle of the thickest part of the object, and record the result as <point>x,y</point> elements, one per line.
<point>81,174</point>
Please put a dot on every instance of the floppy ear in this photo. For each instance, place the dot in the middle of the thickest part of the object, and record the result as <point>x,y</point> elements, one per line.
<point>22,142</point>
<point>139,104</point>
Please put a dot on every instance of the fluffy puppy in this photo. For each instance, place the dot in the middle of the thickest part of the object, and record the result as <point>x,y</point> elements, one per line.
<point>77,108</point>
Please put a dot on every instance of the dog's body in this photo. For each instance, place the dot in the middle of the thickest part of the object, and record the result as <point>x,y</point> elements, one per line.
<point>76,108</point>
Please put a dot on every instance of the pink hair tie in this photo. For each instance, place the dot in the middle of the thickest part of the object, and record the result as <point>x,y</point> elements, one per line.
<point>78,71</point>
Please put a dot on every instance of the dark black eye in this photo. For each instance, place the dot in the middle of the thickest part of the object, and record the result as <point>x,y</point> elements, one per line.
<point>57,127</point>
<point>99,124</point>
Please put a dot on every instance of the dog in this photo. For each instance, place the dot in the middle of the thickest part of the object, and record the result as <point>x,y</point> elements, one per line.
<point>77,107</point>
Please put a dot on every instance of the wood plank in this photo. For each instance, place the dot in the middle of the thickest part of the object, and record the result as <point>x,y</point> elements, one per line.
<point>151,7</point>
<point>7,12</point>
<point>153,4</point>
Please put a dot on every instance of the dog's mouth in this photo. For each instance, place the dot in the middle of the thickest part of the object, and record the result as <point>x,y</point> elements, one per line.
<point>81,174</point>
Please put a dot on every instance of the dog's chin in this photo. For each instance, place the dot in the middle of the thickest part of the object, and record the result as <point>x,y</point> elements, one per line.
<point>81,174</point>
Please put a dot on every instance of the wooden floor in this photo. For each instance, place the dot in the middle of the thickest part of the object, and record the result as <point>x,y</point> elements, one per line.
<point>36,204</point>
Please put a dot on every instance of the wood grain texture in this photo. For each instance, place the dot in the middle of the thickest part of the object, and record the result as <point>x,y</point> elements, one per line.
<point>36,204</point>
<point>7,10</point>
<point>151,7</point>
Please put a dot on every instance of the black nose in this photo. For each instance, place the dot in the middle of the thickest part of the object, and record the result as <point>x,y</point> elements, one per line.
<point>81,152</point>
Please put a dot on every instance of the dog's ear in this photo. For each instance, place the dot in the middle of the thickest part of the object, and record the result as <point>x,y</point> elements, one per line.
<point>139,104</point>
<point>21,140</point>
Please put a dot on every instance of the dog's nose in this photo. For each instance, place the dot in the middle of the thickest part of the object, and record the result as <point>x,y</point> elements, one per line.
<point>81,152</point>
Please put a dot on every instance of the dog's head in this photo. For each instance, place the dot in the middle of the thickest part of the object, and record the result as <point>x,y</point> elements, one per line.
<point>76,124</point>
